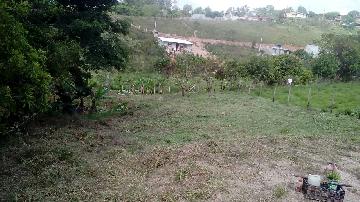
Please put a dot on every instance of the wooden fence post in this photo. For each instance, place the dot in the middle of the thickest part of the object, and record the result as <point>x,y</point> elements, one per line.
<point>309,97</point>
<point>289,95</point>
<point>274,93</point>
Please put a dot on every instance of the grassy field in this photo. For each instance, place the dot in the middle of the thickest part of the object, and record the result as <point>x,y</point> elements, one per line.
<point>225,147</point>
<point>296,33</point>
<point>231,52</point>
<point>336,97</point>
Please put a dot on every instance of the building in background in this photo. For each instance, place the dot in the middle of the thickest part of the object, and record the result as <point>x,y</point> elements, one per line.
<point>313,50</point>
<point>279,50</point>
<point>295,15</point>
<point>173,45</point>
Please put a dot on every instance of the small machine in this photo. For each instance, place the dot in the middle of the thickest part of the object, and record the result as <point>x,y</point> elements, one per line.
<point>320,188</point>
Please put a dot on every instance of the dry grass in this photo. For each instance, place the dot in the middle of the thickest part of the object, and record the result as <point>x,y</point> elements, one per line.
<point>198,148</point>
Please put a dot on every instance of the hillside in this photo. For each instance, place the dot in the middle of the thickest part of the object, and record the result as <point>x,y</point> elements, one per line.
<point>292,33</point>
<point>226,147</point>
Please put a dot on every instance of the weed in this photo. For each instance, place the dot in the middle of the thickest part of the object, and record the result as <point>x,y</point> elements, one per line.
<point>181,175</point>
<point>334,176</point>
<point>195,195</point>
<point>280,192</point>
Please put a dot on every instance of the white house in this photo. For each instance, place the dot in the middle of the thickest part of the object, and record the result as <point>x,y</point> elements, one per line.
<point>295,15</point>
<point>312,49</point>
<point>175,45</point>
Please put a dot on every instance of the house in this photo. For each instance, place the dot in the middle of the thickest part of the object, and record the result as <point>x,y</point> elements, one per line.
<point>312,49</point>
<point>279,50</point>
<point>295,15</point>
<point>199,17</point>
<point>340,18</point>
<point>173,45</point>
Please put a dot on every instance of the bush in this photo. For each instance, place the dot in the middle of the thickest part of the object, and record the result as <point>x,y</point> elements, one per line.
<point>286,66</point>
<point>25,84</point>
<point>325,66</point>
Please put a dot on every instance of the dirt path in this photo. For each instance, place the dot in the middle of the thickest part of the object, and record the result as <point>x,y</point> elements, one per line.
<point>199,44</point>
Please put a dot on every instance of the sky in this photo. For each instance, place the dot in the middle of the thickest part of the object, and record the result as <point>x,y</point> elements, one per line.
<point>318,6</point>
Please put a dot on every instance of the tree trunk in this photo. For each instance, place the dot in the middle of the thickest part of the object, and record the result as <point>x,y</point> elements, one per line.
<point>93,108</point>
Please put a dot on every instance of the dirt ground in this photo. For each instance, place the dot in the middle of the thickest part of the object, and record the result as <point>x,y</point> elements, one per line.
<point>159,153</point>
<point>199,44</point>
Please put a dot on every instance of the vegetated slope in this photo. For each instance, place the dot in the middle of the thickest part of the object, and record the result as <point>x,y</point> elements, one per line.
<point>225,147</point>
<point>336,97</point>
<point>231,52</point>
<point>292,33</point>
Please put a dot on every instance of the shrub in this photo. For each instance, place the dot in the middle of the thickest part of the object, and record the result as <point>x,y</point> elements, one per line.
<point>25,84</point>
<point>286,66</point>
<point>325,66</point>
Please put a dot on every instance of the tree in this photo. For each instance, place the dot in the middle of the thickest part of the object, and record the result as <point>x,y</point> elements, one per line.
<point>187,9</point>
<point>151,10</point>
<point>289,9</point>
<point>198,10</point>
<point>208,12</point>
<point>346,49</point>
<point>285,66</point>
<point>354,14</point>
<point>127,9</point>
<point>325,66</point>
<point>25,84</point>
<point>302,9</point>
<point>311,14</point>
<point>175,13</point>
<point>242,11</point>
<point>331,15</point>
<point>270,9</point>
<point>259,69</point>
<point>76,37</point>
<point>305,57</point>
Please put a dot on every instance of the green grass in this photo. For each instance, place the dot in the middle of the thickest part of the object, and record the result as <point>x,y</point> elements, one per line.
<point>231,52</point>
<point>174,148</point>
<point>297,33</point>
<point>335,97</point>
<point>280,192</point>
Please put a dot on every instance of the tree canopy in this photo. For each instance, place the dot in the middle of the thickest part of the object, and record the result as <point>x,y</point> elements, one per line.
<point>48,49</point>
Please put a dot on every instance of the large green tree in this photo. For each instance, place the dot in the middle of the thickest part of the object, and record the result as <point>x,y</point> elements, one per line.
<point>302,9</point>
<point>346,50</point>
<point>24,83</point>
<point>325,66</point>
<point>49,48</point>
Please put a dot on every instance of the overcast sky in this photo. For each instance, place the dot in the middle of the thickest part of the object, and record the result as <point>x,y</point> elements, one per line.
<point>318,6</point>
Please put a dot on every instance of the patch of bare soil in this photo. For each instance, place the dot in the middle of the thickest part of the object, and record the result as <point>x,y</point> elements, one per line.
<point>199,44</point>
<point>102,160</point>
<point>257,169</point>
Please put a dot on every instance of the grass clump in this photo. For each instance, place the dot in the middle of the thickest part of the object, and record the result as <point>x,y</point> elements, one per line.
<point>181,175</point>
<point>280,192</point>
<point>334,176</point>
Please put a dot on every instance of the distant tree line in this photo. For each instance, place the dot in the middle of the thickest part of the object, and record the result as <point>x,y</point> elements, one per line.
<point>166,8</point>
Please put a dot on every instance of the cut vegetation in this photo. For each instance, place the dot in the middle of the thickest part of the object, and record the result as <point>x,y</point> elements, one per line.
<point>227,147</point>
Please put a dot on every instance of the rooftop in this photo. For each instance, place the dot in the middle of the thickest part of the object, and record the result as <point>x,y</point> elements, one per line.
<point>173,40</point>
